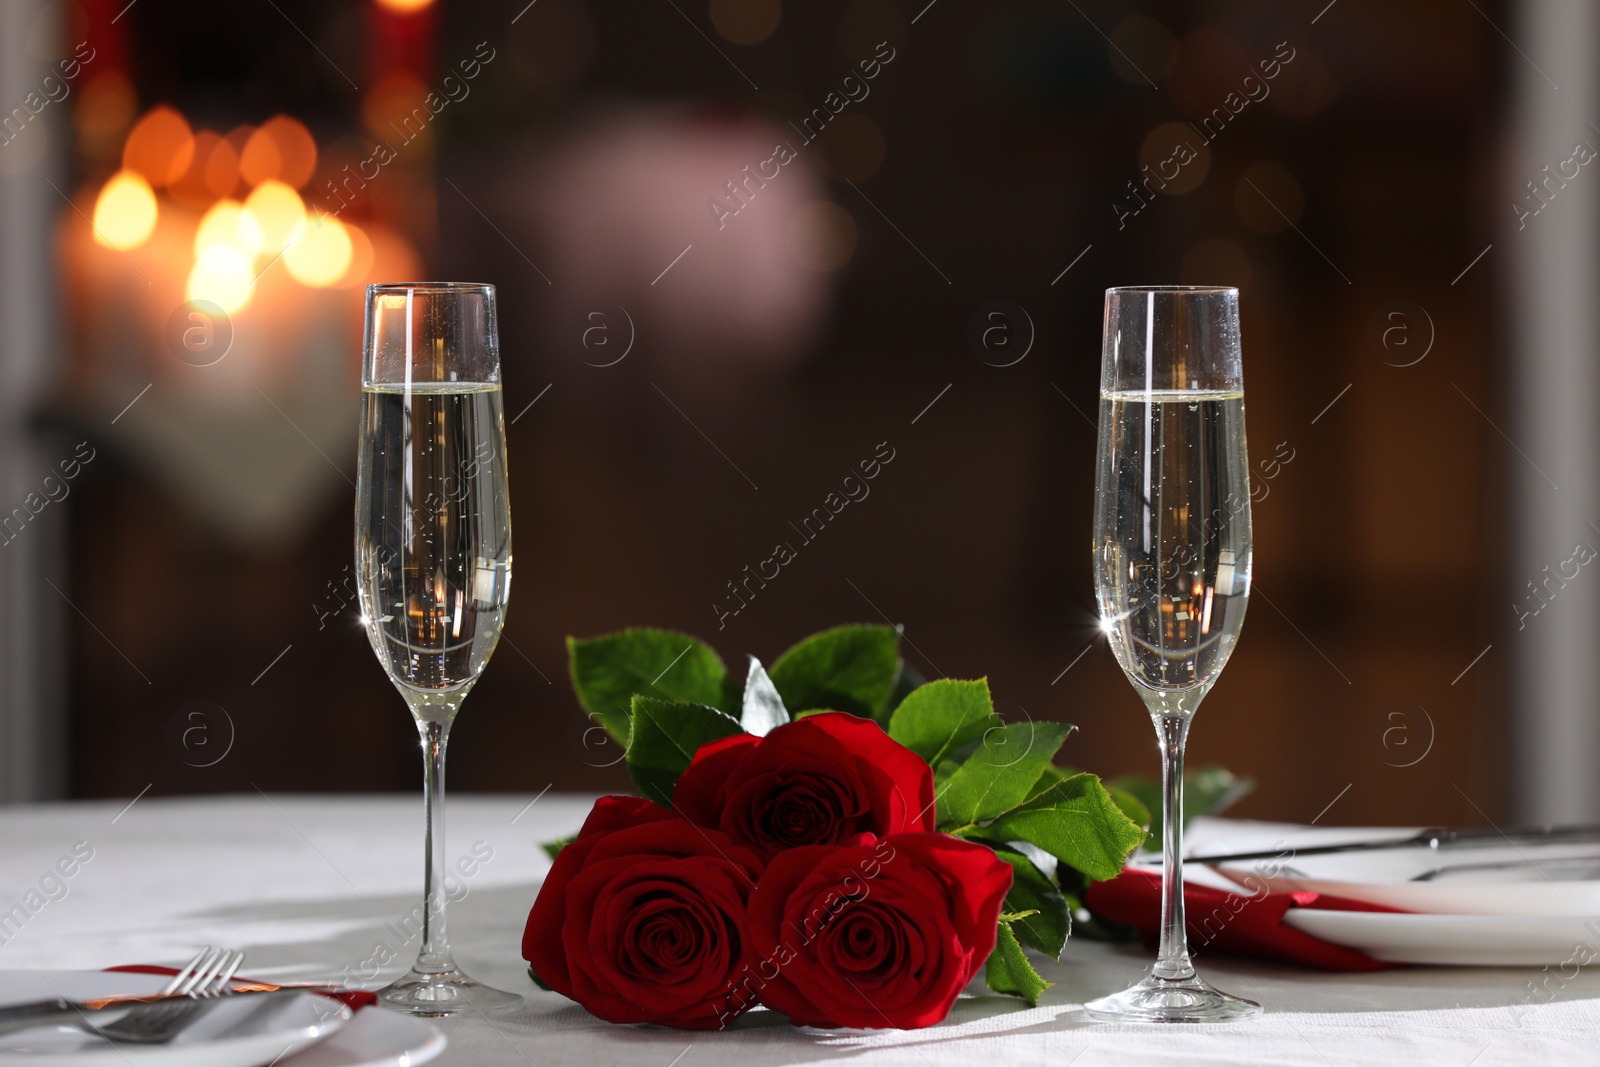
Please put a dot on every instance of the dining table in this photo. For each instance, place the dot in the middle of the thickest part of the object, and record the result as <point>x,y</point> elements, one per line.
<point>326,887</point>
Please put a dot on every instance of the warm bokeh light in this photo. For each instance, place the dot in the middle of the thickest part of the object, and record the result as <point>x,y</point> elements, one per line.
<point>224,276</point>
<point>404,7</point>
<point>746,21</point>
<point>279,212</point>
<point>235,139</point>
<point>190,189</point>
<point>160,147</point>
<point>283,149</point>
<point>321,255</point>
<point>822,236</point>
<point>391,101</point>
<point>1176,157</point>
<point>125,212</point>
<point>106,106</point>
<point>238,237</point>
<point>228,225</point>
<point>221,173</point>
<point>361,256</point>
<point>259,161</point>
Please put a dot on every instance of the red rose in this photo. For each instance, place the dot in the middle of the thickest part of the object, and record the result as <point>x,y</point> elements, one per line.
<point>642,918</point>
<point>818,781</point>
<point>882,933</point>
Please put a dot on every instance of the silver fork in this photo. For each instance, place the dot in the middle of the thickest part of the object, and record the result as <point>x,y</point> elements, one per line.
<point>206,976</point>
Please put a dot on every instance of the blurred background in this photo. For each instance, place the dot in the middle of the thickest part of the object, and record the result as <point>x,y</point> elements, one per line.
<point>742,246</point>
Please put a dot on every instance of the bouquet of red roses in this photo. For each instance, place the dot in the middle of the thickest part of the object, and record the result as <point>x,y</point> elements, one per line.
<point>853,866</point>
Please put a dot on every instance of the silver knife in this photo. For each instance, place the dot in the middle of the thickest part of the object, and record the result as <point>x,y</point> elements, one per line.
<point>1434,838</point>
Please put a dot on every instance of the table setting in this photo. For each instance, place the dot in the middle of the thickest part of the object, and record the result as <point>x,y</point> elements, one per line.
<point>251,880</point>
<point>825,854</point>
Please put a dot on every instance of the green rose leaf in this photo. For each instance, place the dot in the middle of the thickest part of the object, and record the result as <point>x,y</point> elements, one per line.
<point>607,671</point>
<point>937,718</point>
<point>664,738</point>
<point>849,668</point>
<point>1076,821</point>
<point>1043,921</point>
<point>553,848</point>
<point>1009,971</point>
<point>999,775</point>
<point>1133,807</point>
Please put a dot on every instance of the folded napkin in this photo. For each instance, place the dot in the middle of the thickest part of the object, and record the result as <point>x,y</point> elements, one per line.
<point>1250,924</point>
<point>354,999</point>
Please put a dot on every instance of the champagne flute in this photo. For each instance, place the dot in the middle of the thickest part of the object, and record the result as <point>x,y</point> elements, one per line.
<point>433,552</point>
<point>1172,555</point>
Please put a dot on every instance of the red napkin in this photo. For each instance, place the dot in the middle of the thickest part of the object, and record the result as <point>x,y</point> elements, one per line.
<point>1250,924</point>
<point>354,999</point>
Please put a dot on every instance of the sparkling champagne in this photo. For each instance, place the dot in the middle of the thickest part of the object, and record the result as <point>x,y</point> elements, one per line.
<point>433,532</point>
<point>1172,557</point>
<point>1172,513</point>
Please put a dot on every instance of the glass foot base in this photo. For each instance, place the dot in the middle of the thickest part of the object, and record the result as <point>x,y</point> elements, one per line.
<point>1172,1000</point>
<point>440,993</point>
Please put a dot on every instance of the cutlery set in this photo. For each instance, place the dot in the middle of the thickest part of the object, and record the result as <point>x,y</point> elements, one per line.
<point>151,1018</point>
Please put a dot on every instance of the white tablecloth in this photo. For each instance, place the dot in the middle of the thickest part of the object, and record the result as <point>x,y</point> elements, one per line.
<point>318,887</point>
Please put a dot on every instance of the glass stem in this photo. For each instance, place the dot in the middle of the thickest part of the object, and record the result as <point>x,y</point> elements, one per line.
<point>434,956</point>
<point>1173,960</point>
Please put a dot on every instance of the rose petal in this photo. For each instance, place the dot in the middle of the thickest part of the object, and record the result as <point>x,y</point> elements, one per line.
<point>698,796</point>
<point>904,778</point>
<point>618,812</point>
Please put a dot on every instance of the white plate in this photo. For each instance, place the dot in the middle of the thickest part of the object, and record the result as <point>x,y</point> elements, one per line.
<point>1459,940</point>
<point>374,1038</point>
<point>1552,881</point>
